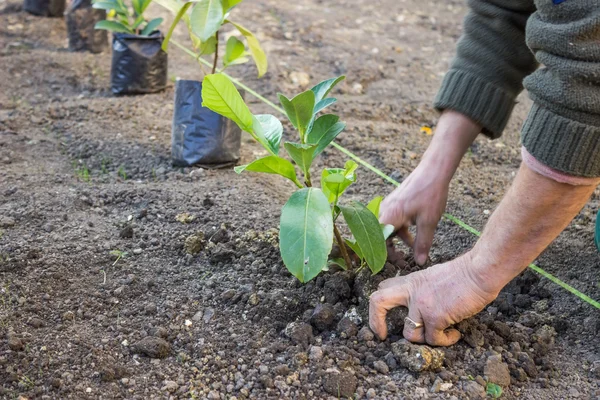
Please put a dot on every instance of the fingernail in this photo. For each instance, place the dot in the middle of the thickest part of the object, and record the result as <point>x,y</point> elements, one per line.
<point>421,259</point>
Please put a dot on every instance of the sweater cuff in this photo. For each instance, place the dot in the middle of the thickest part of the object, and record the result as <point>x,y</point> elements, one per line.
<point>561,143</point>
<point>483,102</point>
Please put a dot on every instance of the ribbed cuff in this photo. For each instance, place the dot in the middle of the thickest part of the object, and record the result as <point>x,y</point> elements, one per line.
<point>476,98</point>
<point>563,144</point>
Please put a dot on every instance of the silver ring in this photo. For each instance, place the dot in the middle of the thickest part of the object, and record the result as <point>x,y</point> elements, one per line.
<point>415,325</point>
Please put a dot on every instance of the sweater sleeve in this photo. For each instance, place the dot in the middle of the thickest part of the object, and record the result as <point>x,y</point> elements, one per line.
<point>492,59</point>
<point>563,127</point>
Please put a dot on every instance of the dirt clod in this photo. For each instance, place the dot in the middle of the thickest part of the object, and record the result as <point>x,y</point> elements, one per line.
<point>340,384</point>
<point>194,244</point>
<point>416,357</point>
<point>497,371</point>
<point>323,317</point>
<point>300,333</point>
<point>15,343</point>
<point>346,328</point>
<point>152,347</point>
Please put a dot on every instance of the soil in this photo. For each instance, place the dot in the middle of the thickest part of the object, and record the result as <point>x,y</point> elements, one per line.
<point>102,298</point>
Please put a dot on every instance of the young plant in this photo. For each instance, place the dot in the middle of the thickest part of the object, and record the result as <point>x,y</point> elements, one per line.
<point>204,20</point>
<point>124,19</point>
<point>309,219</point>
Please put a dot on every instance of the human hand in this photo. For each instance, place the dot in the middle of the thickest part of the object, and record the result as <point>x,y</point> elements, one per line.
<point>421,198</point>
<point>437,297</point>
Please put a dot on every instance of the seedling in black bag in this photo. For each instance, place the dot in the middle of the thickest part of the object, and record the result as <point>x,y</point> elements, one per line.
<point>308,225</point>
<point>124,19</point>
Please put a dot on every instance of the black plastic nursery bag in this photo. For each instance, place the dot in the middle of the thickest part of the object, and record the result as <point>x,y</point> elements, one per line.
<point>139,65</point>
<point>45,8</point>
<point>199,135</point>
<point>81,18</point>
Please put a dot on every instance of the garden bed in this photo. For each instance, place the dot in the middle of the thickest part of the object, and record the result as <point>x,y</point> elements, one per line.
<point>84,174</point>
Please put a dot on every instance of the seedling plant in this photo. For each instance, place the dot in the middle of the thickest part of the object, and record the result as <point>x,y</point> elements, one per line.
<point>124,19</point>
<point>310,218</point>
<point>204,20</point>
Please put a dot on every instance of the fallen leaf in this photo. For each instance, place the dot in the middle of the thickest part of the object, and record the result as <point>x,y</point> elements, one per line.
<point>426,130</point>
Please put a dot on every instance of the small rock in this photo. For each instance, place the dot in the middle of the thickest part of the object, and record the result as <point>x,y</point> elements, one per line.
<point>198,316</point>
<point>253,299</point>
<point>6,222</point>
<point>194,244</point>
<point>36,323</point>
<point>228,294</point>
<point>300,333</point>
<point>347,328</point>
<point>263,369</point>
<point>150,308</point>
<point>340,384</point>
<point>365,334</point>
<point>208,315</point>
<point>381,367</point>
<point>322,317</point>
<point>417,358</point>
<point>126,232</point>
<point>573,393</point>
<point>15,343</point>
<point>152,347</point>
<point>474,338</point>
<point>301,79</point>
<point>170,386</point>
<point>497,371</point>
<point>68,315</point>
<point>316,353</point>
<point>137,251</point>
<point>371,393</point>
<point>474,390</point>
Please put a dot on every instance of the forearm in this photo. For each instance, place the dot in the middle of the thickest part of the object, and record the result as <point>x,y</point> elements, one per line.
<point>532,214</point>
<point>454,135</point>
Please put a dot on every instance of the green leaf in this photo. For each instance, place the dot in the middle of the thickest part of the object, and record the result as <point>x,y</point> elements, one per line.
<point>339,262</point>
<point>137,7</point>
<point>306,233</point>
<point>206,18</point>
<point>322,89</point>
<point>207,47</point>
<point>367,231</point>
<point>335,181</point>
<point>324,131</point>
<point>144,5</point>
<point>178,17</point>
<point>229,4</point>
<point>324,103</point>
<point>302,154</point>
<point>112,26</point>
<point>374,205</point>
<point>172,5</point>
<point>299,110</point>
<point>258,54</point>
<point>106,5</point>
<point>233,51</point>
<point>388,230</point>
<point>151,26</point>
<point>597,235</point>
<point>493,390</point>
<point>268,131</point>
<point>221,96</point>
<point>271,165</point>
<point>355,248</point>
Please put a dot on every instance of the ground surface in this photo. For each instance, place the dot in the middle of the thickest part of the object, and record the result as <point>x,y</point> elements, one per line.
<point>79,168</point>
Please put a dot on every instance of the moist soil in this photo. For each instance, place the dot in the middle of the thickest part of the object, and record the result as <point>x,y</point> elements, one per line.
<point>100,297</point>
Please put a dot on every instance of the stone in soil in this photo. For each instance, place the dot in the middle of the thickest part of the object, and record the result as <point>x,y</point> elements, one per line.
<point>194,244</point>
<point>416,357</point>
<point>347,328</point>
<point>126,232</point>
<point>381,367</point>
<point>300,333</point>
<point>340,384</point>
<point>365,334</point>
<point>152,347</point>
<point>336,289</point>
<point>15,343</point>
<point>497,371</point>
<point>473,390</point>
<point>323,317</point>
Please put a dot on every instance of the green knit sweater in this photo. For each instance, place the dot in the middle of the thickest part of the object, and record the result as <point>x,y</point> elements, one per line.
<point>498,55</point>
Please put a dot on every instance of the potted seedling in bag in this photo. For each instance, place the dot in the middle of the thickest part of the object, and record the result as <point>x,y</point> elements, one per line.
<point>45,8</point>
<point>81,19</point>
<point>310,218</point>
<point>199,135</point>
<point>139,65</point>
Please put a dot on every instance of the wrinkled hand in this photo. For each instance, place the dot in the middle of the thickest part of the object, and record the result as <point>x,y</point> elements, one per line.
<point>420,200</point>
<point>437,297</point>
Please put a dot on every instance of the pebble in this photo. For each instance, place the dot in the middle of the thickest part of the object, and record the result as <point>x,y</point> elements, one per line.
<point>36,322</point>
<point>322,317</point>
<point>15,343</point>
<point>474,390</point>
<point>170,386</point>
<point>416,357</point>
<point>137,251</point>
<point>198,316</point>
<point>347,328</point>
<point>126,232</point>
<point>152,347</point>
<point>365,334</point>
<point>340,384</point>
<point>194,244</point>
<point>497,371</point>
<point>381,367</point>
<point>301,79</point>
<point>371,393</point>
<point>208,315</point>
<point>6,222</point>
<point>150,308</point>
<point>68,315</point>
<point>315,353</point>
<point>300,333</point>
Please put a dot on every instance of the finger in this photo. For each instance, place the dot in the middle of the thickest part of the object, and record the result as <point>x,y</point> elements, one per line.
<point>441,337</point>
<point>410,333</point>
<point>380,303</point>
<point>405,235</point>
<point>423,241</point>
<point>396,281</point>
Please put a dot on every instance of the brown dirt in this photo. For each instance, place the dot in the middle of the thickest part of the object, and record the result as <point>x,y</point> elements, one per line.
<point>77,324</point>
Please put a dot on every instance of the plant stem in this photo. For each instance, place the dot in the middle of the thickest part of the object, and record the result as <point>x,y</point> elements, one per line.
<point>307,179</point>
<point>342,244</point>
<point>214,69</point>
